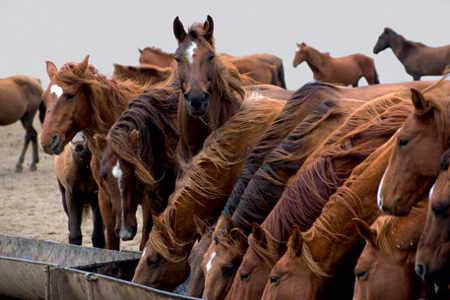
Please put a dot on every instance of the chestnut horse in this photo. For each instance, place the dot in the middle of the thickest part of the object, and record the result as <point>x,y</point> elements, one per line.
<point>20,98</point>
<point>423,138</point>
<point>230,237</point>
<point>433,252</point>
<point>78,189</point>
<point>156,57</point>
<point>302,201</point>
<point>308,269</point>
<point>139,162</point>
<point>417,58</point>
<point>346,70</point>
<point>142,75</point>
<point>201,193</point>
<point>385,268</point>
<point>78,98</point>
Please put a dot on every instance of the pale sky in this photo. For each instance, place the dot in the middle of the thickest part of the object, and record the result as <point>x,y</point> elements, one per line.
<point>111,31</point>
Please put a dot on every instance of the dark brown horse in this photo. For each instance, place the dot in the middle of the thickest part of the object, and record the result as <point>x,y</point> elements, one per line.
<point>139,162</point>
<point>78,98</point>
<point>385,269</point>
<point>20,98</point>
<point>302,202</point>
<point>201,193</point>
<point>79,189</point>
<point>417,58</point>
<point>423,138</point>
<point>142,75</point>
<point>345,70</point>
<point>433,253</point>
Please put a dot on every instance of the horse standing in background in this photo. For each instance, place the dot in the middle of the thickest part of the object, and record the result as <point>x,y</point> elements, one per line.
<point>417,58</point>
<point>20,98</point>
<point>346,70</point>
<point>157,57</point>
<point>142,75</point>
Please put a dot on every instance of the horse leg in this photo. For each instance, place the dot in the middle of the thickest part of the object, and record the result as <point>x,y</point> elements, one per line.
<point>147,222</point>
<point>30,135</point>
<point>98,235</point>
<point>75,209</point>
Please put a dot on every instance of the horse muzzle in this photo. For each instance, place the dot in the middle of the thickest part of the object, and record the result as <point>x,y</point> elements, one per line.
<point>127,233</point>
<point>55,146</point>
<point>197,105</point>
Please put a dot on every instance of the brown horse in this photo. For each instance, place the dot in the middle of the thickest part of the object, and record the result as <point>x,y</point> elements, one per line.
<point>346,70</point>
<point>308,269</point>
<point>417,58</point>
<point>319,177</point>
<point>139,162</point>
<point>142,75</point>
<point>201,193</point>
<point>224,256</point>
<point>78,98</point>
<point>385,269</point>
<point>157,57</point>
<point>20,98</point>
<point>433,253</point>
<point>78,189</point>
<point>423,138</point>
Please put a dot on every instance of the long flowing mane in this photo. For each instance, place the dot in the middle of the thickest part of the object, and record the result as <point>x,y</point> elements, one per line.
<point>104,95</point>
<point>302,201</point>
<point>153,114</point>
<point>210,176</point>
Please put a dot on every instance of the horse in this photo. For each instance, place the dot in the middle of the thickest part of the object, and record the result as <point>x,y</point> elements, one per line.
<point>157,57</point>
<point>417,58</point>
<point>142,75</point>
<point>307,192</point>
<point>79,98</point>
<point>346,70</point>
<point>230,237</point>
<point>139,164</point>
<point>78,189</point>
<point>20,99</point>
<point>201,193</point>
<point>422,140</point>
<point>385,268</point>
<point>432,260</point>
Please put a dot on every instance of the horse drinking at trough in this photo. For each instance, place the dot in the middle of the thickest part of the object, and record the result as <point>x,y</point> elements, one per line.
<point>20,99</point>
<point>345,70</point>
<point>418,59</point>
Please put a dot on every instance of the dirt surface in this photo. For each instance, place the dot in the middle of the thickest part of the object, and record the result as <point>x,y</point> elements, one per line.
<point>30,202</point>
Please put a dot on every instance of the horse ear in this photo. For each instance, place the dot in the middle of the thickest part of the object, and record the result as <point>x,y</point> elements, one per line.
<point>421,105</point>
<point>82,67</point>
<point>208,27</point>
<point>51,69</point>
<point>259,235</point>
<point>200,225</point>
<point>178,30</point>
<point>238,236</point>
<point>295,242</point>
<point>134,137</point>
<point>140,50</point>
<point>365,231</point>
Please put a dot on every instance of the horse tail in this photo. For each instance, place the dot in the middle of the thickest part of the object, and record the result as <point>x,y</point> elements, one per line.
<point>375,76</point>
<point>42,109</point>
<point>280,70</point>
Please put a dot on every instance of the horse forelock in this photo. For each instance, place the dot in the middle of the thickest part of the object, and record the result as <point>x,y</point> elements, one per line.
<point>270,253</point>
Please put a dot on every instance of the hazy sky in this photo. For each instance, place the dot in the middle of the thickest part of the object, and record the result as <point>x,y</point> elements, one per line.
<point>111,31</point>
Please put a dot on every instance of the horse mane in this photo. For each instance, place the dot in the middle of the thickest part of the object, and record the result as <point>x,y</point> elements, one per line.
<point>153,114</point>
<point>104,95</point>
<point>142,74</point>
<point>269,253</point>
<point>158,51</point>
<point>283,124</point>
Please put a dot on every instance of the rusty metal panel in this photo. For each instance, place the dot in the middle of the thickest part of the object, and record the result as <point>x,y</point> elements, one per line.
<point>72,284</point>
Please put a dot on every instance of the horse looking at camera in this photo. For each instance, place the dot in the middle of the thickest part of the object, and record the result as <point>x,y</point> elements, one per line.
<point>346,70</point>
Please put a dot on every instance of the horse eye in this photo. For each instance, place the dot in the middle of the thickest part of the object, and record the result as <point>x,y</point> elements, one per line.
<point>274,279</point>
<point>361,275</point>
<point>69,96</point>
<point>177,59</point>
<point>228,270</point>
<point>211,57</point>
<point>244,276</point>
<point>440,209</point>
<point>402,143</point>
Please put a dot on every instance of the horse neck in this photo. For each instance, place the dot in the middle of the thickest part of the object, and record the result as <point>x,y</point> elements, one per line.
<point>315,59</point>
<point>399,45</point>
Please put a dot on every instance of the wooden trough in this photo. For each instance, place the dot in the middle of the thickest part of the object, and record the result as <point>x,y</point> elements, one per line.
<point>36,269</point>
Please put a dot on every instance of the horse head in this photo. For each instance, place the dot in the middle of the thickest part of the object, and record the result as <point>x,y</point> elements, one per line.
<point>300,54</point>
<point>383,41</point>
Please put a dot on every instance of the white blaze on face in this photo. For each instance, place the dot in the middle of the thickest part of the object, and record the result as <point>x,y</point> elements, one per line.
<point>379,196</point>
<point>190,52</point>
<point>118,173</point>
<point>57,90</point>
<point>431,192</point>
<point>209,264</point>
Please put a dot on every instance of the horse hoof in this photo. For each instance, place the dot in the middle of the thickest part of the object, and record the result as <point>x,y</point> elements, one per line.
<point>33,168</point>
<point>19,169</point>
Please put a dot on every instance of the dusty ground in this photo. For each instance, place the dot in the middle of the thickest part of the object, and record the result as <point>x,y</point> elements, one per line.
<point>30,202</point>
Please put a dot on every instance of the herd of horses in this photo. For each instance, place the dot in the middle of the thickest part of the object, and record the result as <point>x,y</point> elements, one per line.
<point>249,190</point>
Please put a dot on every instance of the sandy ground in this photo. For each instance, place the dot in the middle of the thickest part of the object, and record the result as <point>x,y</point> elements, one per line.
<point>30,202</point>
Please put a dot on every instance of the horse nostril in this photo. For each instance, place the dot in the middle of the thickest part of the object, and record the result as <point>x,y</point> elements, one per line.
<point>420,270</point>
<point>196,104</point>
